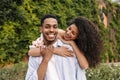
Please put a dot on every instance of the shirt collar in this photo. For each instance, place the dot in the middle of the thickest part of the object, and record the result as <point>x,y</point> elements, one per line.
<point>58,43</point>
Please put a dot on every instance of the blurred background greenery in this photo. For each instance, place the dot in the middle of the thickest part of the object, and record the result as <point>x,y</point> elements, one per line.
<point>20,21</point>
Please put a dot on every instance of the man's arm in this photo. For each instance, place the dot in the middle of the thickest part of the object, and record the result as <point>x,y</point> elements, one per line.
<point>36,71</point>
<point>46,54</point>
<point>42,69</point>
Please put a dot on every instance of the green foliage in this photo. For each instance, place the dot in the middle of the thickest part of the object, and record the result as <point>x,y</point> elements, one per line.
<point>112,42</point>
<point>9,42</point>
<point>20,21</point>
<point>9,11</point>
<point>110,34</point>
<point>15,36</point>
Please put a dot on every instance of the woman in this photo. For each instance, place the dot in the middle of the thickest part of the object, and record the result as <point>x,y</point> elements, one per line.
<point>83,36</point>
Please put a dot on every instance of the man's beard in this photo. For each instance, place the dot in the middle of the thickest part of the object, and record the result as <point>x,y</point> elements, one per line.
<point>48,42</point>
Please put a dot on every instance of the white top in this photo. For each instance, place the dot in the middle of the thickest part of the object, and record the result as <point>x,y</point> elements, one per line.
<point>59,68</point>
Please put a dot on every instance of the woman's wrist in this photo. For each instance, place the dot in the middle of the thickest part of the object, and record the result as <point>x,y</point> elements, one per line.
<point>54,50</point>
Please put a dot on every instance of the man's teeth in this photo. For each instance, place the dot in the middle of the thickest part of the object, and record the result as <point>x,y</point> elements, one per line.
<point>51,35</point>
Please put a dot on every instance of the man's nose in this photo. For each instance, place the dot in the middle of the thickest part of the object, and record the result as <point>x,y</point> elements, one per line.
<point>51,29</point>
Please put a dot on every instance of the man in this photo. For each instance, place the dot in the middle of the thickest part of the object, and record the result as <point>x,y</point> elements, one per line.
<point>58,67</point>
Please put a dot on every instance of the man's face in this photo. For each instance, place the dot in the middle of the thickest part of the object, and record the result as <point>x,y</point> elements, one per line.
<point>49,29</point>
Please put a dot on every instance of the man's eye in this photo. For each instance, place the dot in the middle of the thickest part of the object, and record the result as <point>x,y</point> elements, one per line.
<point>46,26</point>
<point>55,26</point>
<point>69,28</point>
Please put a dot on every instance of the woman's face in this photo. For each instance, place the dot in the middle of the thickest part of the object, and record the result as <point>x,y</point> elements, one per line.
<point>71,33</point>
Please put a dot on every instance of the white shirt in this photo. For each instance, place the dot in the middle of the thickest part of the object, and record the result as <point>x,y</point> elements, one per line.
<point>59,68</point>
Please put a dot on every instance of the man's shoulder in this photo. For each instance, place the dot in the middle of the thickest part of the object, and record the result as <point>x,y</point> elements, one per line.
<point>60,43</point>
<point>37,39</point>
<point>35,59</point>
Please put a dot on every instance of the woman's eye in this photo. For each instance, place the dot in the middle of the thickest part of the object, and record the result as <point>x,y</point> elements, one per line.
<point>73,33</point>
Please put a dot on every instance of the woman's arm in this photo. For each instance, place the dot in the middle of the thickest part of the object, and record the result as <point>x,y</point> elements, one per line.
<point>36,46</point>
<point>81,58</point>
<point>62,51</point>
<point>35,51</point>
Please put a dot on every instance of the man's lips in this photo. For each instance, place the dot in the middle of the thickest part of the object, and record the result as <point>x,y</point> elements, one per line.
<point>51,35</point>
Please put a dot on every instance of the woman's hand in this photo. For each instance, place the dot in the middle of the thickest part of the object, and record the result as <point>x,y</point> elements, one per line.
<point>47,52</point>
<point>63,51</point>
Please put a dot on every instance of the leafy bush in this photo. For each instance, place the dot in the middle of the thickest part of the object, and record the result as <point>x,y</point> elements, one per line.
<point>20,21</point>
<point>104,72</point>
<point>15,72</point>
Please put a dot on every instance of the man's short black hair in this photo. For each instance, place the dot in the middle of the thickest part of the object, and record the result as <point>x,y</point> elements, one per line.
<point>48,16</point>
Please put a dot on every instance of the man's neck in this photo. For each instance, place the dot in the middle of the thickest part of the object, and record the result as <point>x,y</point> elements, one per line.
<point>47,43</point>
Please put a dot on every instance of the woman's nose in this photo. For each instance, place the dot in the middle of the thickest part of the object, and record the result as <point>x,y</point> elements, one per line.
<point>68,32</point>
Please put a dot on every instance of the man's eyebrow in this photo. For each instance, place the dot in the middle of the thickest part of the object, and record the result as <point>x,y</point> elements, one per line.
<point>51,25</point>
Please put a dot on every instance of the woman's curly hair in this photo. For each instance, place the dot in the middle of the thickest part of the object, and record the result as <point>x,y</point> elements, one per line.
<point>88,40</point>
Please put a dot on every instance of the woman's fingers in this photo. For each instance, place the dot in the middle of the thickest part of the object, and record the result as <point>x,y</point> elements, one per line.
<point>50,48</point>
<point>68,54</point>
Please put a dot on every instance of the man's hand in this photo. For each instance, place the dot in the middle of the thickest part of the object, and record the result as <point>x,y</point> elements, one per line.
<point>47,53</point>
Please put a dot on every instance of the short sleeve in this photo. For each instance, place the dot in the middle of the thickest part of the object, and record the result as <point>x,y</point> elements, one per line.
<point>38,42</point>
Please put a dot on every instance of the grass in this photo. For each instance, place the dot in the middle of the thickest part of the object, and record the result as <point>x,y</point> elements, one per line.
<point>14,72</point>
<point>102,72</point>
